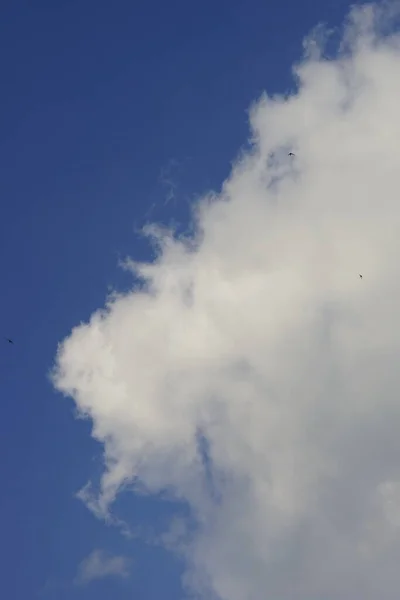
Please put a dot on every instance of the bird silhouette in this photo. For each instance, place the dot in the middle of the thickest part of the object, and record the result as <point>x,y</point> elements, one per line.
<point>291,154</point>
<point>9,341</point>
<point>360,276</point>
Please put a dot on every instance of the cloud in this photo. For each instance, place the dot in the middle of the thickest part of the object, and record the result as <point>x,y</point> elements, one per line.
<point>254,375</point>
<point>98,565</point>
<point>168,179</point>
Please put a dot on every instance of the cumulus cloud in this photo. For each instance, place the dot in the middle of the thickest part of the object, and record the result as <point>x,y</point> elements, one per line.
<point>253,374</point>
<point>98,565</point>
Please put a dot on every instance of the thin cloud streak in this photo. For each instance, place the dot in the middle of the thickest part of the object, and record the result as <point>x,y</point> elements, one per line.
<point>99,565</point>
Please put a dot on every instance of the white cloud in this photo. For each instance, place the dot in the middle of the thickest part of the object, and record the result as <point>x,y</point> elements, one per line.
<point>98,565</point>
<point>261,335</point>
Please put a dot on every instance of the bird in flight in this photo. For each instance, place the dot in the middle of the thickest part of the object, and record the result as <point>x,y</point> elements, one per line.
<point>9,341</point>
<point>360,276</point>
<point>291,154</point>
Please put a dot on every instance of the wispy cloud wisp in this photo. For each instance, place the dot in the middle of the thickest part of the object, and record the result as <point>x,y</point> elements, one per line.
<point>99,565</point>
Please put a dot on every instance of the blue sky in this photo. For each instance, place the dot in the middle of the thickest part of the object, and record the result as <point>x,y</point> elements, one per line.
<point>102,104</point>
